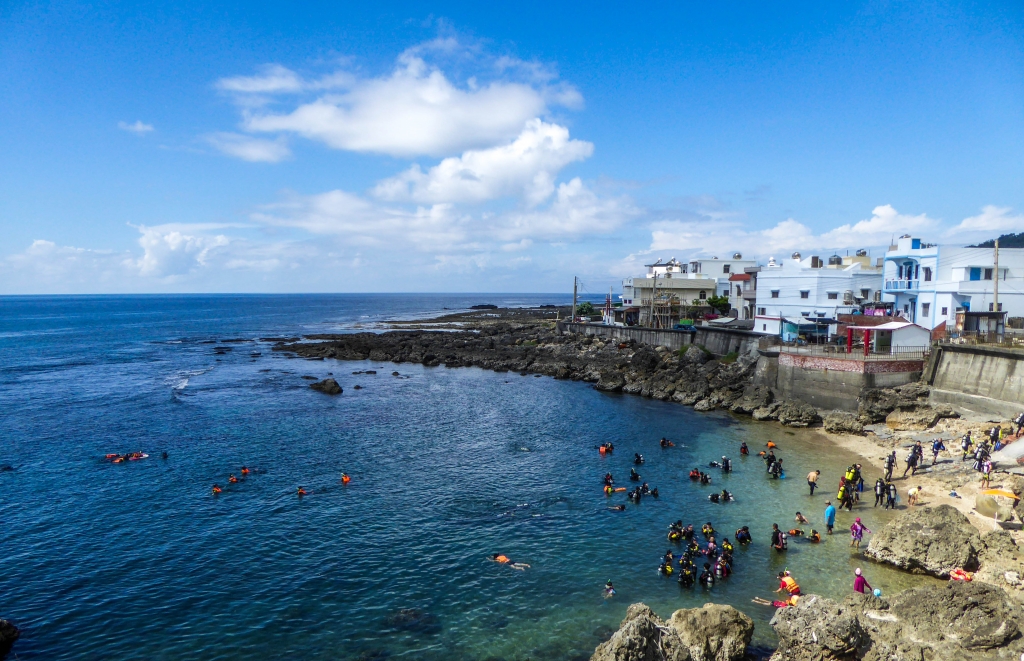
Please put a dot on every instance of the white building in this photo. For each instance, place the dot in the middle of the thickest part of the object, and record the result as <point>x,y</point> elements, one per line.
<point>928,283</point>
<point>797,294</point>
<point>698,280</point>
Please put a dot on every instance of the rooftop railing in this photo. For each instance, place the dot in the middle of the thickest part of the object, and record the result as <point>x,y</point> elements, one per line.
<point>1009,339</point>
<point>902,285</point>
<point>839,351</point>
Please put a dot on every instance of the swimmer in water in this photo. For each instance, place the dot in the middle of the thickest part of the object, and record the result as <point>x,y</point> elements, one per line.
<point>633,475</point>
<point>744,450</point>
<point>814,537</point>
<point>232,479</point>
<point>800,518</point>
<point>245,470</point>
<point>502,559</point>
<point>609,590</point>
<point>345,479</point>
<point>301,492</point>
<point>216,489</point>
<point>618,508</point>
<point>163,455</point>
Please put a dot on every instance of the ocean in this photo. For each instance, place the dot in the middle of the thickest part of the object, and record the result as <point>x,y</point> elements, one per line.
<point>139,560</point>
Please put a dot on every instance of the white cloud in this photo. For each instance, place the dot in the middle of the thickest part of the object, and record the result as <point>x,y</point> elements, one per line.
<point>247,148</point>
<point>415,109</point>
<point>575,211</point>
<point>137,127</point>
<point>526,167</point>
<point>169,251</point>
<point>990,223</point>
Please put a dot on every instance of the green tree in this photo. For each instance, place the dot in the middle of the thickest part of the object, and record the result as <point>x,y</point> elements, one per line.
<point>720,304</point>
<point>585,309</point>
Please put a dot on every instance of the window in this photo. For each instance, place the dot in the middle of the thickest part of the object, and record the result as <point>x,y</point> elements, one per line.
<point>865,293</point>
<point>821,314</point>
<point>703,295</point>
<point>764,327</point>
<point>927,274</point>
<point>991,310</point>
<point>975,274</point>
<point>925,309</point>
<point>725,268</point>
<point>805,294</point>
<point>761,310</point>
<point>945,312</point>
<point>775,293</point>
<point>988,274</point>
<point>739,290</point>
<point>833,295</point>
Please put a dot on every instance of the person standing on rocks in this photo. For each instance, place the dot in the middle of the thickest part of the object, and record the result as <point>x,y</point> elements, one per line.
<point>890,466</point>
<point>937,446</point>
<point>812,480</point>
<point>986,474</point>
<point>891,495</point>
<point>965,445</point>
<point>1019,421</point>
<point>830,516</point>
<point>912,460</point>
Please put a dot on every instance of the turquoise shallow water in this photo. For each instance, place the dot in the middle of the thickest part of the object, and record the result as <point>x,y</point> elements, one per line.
<point>140,561</point>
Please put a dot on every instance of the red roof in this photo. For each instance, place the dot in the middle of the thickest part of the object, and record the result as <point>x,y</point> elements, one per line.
<point>739,277</point>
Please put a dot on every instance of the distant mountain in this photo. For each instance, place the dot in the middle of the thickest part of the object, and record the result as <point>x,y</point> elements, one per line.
<point>1005,241</point>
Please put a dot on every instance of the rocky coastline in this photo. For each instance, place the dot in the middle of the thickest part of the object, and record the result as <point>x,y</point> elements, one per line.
<point>977,620</point>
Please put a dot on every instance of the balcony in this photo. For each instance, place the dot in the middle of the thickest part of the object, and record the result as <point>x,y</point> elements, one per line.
<point>902,285</point>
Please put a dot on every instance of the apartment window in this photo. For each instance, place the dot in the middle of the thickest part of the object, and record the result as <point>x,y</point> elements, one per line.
<point>764,327</point>
<point>775,293</point>
<point>926,308</point>
<point>865,293</point>
<point>725,268</point>
<point>975,274</point>
<point>703,295</point>
<point>833,296</point>
<point>927,274</point>
<point>945,312</point>
<point>739,290</point>
<point>988,274</point>
<point>805,294</point>
<point>761,311</point>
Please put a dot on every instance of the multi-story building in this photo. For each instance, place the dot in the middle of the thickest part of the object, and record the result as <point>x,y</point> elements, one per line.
<point>809,292</point>
<point>743,292</point>
<point>928,283</point>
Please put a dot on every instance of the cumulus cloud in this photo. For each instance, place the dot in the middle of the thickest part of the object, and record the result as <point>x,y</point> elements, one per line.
<point>525,167</point>
<point>169,250</point>
<point>415,109</point>
<point>990,223</point>
<point>248,148</point>
<point>137,127</point>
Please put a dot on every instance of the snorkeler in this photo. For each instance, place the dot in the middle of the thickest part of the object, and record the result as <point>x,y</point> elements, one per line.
<point>638,458</point>
<point>618,508</point>
<point>633,475</point>
<point>301,492</point>
<point>743,535</point>
<point>345,479</point>
<point>609,590</point>
<point>502,559</point>
<point>232,479</point>
<point>216,489</point>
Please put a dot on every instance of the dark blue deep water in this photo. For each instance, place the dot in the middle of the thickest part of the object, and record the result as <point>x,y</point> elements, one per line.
<point>140,561</point>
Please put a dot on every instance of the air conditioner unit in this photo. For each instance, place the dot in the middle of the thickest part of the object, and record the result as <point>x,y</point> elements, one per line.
<point>848,297</point>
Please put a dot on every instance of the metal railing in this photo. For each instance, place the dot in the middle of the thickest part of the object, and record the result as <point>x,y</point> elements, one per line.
<point>857,353</point>
<point>1009,339</point>
<point>902,285</point>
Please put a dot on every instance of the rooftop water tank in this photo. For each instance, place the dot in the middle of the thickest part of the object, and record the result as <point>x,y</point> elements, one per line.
<point>835,260</point>
<point>796,255</point>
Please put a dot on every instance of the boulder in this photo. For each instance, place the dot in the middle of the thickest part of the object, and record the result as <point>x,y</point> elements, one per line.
<point>328,386</point>
<point>706,404</point>
<point>645,359</point>
<point>8,635</point>
<point>797,414</point>
<point>817,629</point>
<point>919,419</point>
<point>696,355</point>
<point>928,540</point>
<point>955,621</point>
<point>713,632</point>
<point>611,380</point>
<point>753,398</point>
<point>769,412</point>
<point>838,422</point>
<point>642,636</point>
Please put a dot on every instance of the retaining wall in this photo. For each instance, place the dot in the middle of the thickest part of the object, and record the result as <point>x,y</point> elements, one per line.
<point>835,383</point>
<point>985,379</point>
<point>719,341</point>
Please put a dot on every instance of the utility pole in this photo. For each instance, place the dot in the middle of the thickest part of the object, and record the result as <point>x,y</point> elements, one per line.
<point>574,299</point>
<point>654,292</point>
<point>995,290</point>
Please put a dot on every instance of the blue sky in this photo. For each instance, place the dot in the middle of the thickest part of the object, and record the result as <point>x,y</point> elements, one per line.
<point>153,147</point>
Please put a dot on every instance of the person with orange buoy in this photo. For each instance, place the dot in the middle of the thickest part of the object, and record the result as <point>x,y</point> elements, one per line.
<point>301,492</point>
<point>232,479</point>
<point>216,489</point>
<point>245,470</point>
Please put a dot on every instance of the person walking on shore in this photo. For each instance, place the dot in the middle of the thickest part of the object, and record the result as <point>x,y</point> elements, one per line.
<point>860,584</point>
<point>830,516</point>
<point>857,531</point>
<point>937,447</point>
<point>912,460</point>
<point>812,480</point>
<point>879,492</point>
<point>890,466</point>
<point>891,494</point>
<point>965,445</point>
<point>1019,421</point>
<point>986,474</point>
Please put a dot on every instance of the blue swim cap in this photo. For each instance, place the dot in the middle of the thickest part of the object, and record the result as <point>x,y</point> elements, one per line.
<point>877,592</point>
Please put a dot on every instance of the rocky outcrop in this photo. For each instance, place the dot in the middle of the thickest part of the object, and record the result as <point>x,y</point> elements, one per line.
<point>838,422</point>
<point>753,398</point>
<point>328,386</point>
<point>797,414</point>
<point>955,621</point>
<point>8,635</point>
<point>711,633</point>
<point>918,419</point>
<point>928,540</point>
<point>1002,562</point>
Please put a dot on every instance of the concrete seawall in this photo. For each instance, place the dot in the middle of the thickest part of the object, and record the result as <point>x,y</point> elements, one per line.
<point>984,379</point>
<point>719,341</point>
<point>829,382</point>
